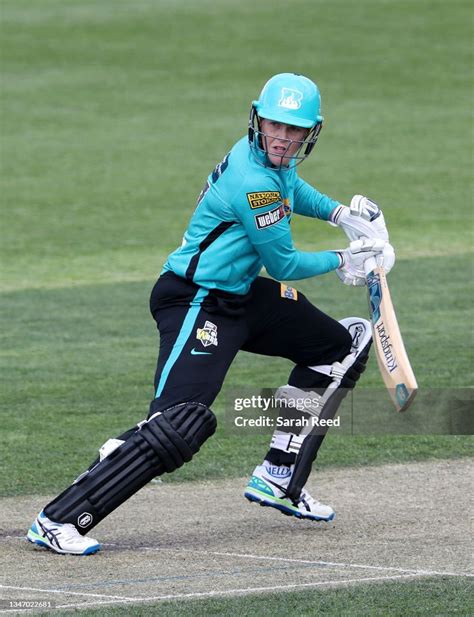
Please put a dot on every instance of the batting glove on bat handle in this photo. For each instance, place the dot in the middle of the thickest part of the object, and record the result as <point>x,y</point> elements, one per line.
<point>352,269</point>
<point>385,260</point>
<point>360,250</point>
<point>369,265</point>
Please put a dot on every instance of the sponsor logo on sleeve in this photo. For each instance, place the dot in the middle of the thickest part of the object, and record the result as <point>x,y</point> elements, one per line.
<point>267,219</point>
<point>263,198</point>
<point>290,293</point>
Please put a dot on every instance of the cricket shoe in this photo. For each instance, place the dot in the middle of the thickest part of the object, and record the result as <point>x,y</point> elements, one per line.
<point>61,538</point>
<point>268,486</point>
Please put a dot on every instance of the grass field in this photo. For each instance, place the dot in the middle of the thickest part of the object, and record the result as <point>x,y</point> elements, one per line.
<point>428,597</point>
<point>112,115</point>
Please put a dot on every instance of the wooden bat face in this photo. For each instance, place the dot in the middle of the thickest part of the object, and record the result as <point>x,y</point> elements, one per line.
<point>391,355</point>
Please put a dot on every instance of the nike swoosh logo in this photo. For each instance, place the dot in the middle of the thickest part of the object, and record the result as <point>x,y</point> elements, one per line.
<point>200,353</point>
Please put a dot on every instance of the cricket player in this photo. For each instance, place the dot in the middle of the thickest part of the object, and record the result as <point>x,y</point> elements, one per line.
<point>211,301</point>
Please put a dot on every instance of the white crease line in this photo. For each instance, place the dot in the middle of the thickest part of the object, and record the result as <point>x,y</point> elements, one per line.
<point>344,565</point>
<point>288,559</point>
<point>65,591</point>
<point>247,590</point>
<point>315,562</point>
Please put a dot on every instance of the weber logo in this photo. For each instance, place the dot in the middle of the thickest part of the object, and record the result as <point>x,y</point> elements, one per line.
<point>84,519</point>
<point>263,198</point>
<point>269,218</point>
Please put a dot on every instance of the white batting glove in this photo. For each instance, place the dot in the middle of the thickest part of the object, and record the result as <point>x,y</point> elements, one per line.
<point>351,271</point>
<point>363,219</point>
<point>387,258</point>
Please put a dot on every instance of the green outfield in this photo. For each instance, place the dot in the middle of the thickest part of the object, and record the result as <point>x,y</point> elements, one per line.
<point>416,599</point>
<point>112,115</point>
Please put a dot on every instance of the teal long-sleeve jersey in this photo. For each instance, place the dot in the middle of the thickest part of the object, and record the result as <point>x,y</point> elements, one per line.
<point>242,222</point>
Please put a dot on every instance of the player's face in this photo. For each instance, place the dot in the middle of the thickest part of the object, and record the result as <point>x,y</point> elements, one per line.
<point>281,141</point>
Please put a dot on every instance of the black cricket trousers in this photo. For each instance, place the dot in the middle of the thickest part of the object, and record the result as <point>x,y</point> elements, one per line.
<point>201,332</point>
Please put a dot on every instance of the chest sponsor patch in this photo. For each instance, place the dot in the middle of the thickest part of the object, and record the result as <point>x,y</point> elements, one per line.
<point>262,221</point>
<point>263,198</point>
<point>290,293</point>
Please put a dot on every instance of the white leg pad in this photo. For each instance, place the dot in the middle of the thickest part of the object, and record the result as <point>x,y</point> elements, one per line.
<point>290,396</point>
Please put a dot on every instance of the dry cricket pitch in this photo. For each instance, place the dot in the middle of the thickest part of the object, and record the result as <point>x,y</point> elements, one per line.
<point>197,540</point>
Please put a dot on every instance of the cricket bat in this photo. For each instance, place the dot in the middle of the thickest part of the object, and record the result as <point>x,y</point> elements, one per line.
<point>390,351</point>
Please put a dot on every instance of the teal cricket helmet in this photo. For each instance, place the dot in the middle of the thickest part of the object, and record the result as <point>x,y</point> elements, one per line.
<point>291,99</point>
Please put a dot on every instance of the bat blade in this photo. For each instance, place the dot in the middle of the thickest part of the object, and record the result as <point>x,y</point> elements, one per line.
<point>392,357</point>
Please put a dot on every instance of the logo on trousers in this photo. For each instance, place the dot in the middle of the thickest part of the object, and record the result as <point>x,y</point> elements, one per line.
<point>208,334</point>
<point>195,352</point>
<point>288,292</point>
